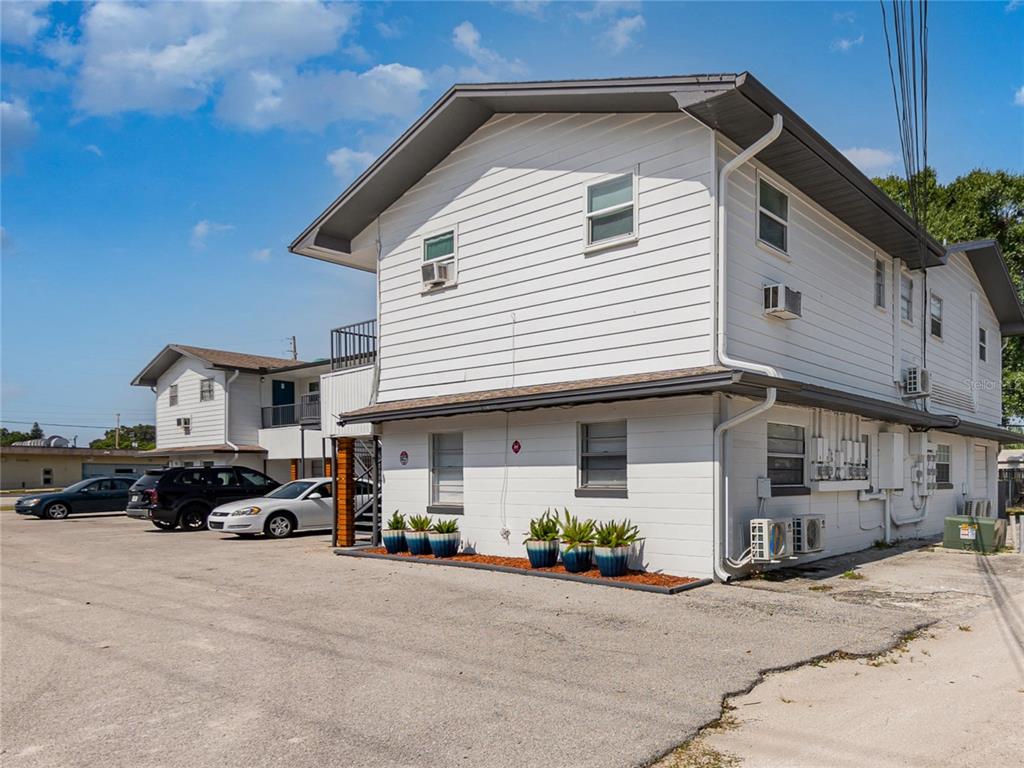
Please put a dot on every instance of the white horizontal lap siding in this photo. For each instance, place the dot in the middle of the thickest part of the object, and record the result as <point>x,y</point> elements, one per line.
<point>343,391</point>
<point>244,418</point>
<point>207,417</point>
<point>669,475</point>
<point>529,306</point>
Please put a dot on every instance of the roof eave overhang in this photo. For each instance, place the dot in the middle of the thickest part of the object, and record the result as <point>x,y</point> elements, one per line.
<point>986,258</point>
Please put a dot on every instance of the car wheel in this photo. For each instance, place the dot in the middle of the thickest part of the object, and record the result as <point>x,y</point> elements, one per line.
<point>163,525</point>
<point>58,510</point>
<point>279,526</point>
<point>193,518</point>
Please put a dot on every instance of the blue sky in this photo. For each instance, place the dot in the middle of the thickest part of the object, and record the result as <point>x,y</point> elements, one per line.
<point>157,159</point>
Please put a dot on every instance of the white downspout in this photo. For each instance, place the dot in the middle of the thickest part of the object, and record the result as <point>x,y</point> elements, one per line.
<point>227,414</point>
<point>719,282</point>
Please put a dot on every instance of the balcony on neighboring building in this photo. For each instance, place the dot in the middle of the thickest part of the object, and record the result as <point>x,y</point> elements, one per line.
<point>353,346</point>
<point>305,412</point>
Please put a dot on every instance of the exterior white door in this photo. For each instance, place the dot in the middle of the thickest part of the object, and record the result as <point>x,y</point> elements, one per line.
<point>316,513</point>
<point>979,478</point>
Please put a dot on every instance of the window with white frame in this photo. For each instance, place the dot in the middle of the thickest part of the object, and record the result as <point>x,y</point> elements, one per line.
<point>172,394</point>
<point>446,463</point>
<point>943,462</point>
<point>439,255</point>
<point>907,298</point>
<point>982,344</point>
<point>602,459</point>
<point>772,215</point>
<point>205,390</point>
<point>785,455</point>
<point>935,314</point>
<point>611,210</point>
<point>879,283</point>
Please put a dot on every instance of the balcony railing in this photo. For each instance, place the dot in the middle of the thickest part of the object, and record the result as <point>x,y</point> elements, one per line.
<point>354,345</point>
<point>306,411</point>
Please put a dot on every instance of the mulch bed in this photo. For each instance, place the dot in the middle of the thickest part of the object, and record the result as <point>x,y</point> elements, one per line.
<point>523,564</point>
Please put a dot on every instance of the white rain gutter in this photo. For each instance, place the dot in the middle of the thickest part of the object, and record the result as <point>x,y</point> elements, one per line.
<point>719,284</point>
<point>227,413</point>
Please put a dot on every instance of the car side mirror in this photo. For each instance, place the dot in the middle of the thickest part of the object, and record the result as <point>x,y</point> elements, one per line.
<point>86,490</point>
<point>314,496</point>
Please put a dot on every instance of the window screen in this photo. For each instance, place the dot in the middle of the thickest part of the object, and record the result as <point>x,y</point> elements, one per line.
<point>602,461</point>
<point>785,454</point>
<point>446,468</point>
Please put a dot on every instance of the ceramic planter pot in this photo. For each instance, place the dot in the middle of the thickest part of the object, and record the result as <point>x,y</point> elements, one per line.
<point>394,541</point>
<point>578,559</point>
<point>444,544</point>
<point>542,554</point>
<point>418,542</point>
<point>611,561</point>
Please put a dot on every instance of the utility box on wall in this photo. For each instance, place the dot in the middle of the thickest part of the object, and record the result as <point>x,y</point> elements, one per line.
<point>890,460</point>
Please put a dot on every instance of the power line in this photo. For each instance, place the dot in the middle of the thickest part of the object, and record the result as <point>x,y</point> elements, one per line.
<point>53,424</point>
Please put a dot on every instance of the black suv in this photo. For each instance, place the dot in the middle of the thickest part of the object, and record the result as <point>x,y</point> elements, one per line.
<point>184,496</point>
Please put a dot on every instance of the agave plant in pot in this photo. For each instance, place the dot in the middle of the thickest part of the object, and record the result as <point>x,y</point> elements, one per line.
<point>416,536</point>
<point>577,543</point>
<point>444,538</point>
<point>394,535</point>
<point>542,541</point>
<point>612,542</point>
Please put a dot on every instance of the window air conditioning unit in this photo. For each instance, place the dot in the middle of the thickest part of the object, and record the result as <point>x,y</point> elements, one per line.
<point>916,383</point>
<point>782,302</point>
<point>808,534</point>
<point>978,508</point>
<point>185,422</point>
<point>437,273</point>
<point>771,540</point>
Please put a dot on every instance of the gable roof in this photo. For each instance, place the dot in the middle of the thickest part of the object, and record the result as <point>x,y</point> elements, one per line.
<point>213,358</point>
<point>986,258</point>
<point>736,105</point>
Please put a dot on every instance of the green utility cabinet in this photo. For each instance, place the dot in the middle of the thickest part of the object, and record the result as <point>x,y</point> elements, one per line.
<point>974,534</point>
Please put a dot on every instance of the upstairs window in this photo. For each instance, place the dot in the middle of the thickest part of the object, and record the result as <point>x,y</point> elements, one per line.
<point>879,283</point>
<point>205,390</point>
<point>907,298</point>
<point>785,455</point>
<point>172,394</point>
<point>772,216</point>
<point>935,314</point>
<point>602,460</point>
<point>438,269</point>
<point>982,344</point>
<point>446,467</point>
<point>611,210</point>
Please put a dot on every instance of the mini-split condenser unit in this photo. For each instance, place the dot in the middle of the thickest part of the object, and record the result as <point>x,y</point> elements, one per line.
<point>808,534</point>
<point>437,273</point>
<point>916,383</point>
<point>782,302</point>
<point>771,539</point>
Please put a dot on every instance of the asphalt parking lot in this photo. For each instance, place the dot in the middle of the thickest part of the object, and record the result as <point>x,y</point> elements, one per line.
<point>126,646</point>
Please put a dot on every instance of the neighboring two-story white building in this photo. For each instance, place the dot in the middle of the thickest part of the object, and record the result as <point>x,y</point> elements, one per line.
<point>667,299</point>
<point>218,407</point>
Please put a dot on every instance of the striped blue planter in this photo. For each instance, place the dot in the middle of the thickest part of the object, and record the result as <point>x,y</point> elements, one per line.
<point>418,542</point>
<point>542,554</point>
<point>394,541</point>
<point>444,544</point>
<point>612,561</point>
<point>578,559</point>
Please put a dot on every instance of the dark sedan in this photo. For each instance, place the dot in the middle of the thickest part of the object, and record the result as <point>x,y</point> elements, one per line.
<point>97,494</point>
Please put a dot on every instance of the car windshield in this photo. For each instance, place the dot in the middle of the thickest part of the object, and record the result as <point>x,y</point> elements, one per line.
<point>290,490</point>
<point>78,486</point>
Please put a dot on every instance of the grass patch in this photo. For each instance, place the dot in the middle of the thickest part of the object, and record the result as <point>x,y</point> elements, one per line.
<point>852,574</point>
<point>964,627</point>
<point>882,544</point>
<point>821,588</point>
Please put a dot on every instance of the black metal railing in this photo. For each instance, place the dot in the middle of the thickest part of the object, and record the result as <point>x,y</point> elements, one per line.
<point>306,411</point>
<point>354,345</point>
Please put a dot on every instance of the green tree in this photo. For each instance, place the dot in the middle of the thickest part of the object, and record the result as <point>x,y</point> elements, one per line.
<point>36,433</point>
<point>141,437</point>
<point>981,205</point>
<point>7,436</point>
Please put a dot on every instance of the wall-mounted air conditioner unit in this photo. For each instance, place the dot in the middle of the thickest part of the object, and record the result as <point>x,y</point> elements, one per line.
<point>782,302</point>
<point>916,383</point>
<point>184,422</point>
<point>437,273</point>
<point>771,539</point>
<point>978,508</point>
<point>808,534</point>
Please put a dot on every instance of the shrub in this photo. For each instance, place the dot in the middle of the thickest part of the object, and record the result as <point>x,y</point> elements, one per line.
<point>420,523</point>
<point>543,528</point>
<point>575,531</point>
<point>616,533</point>
<point>396,522</point>
<point>446,526</point>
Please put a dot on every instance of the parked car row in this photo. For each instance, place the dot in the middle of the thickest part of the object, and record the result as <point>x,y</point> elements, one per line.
<point>235,500</point>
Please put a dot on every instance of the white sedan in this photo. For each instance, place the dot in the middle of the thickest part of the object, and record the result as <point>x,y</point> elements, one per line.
<point>299,505</point>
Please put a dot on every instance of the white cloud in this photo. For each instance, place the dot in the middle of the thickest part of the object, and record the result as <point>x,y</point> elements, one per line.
<point>532,8</point>
<point>607,8</point>
<point>393,29</point>
<point>869,159</point>
<point>621,34</point>
<point>17,130</point>
<point>203,229</point>
<point>94,149</point>
<point>488,64</point>
<point>1013,5</point>
<point>845,44</point>
<point>844,17</point>
<point>20,22</point>
<point>1018,97</point>
<point>261,254</point>
<point>348,163</point>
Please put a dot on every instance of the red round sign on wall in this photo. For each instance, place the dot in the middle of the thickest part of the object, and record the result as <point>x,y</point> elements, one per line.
<point>404,457</point>
<point>516,446</point>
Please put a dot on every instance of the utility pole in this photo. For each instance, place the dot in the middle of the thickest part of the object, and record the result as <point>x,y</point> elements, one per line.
<point>117,430</point>
<point>295,349</point>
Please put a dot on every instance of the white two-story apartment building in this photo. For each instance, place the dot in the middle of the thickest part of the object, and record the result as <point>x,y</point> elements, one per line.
<point>219,407</point>
<point>671,300</point>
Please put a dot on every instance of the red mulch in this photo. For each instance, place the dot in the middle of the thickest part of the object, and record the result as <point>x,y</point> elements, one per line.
<point>522,563</point>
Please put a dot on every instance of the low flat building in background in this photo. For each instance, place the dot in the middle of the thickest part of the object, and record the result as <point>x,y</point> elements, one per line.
<point>51,463</point>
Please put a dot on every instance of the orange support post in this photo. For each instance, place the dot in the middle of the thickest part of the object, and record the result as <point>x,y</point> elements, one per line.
<point>345,495</point>
<point>293,471</point>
